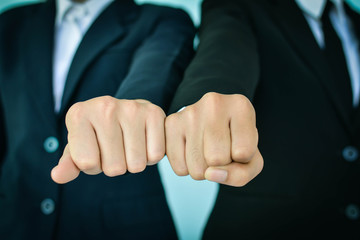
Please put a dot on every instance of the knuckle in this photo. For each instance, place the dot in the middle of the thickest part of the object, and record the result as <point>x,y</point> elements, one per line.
<point>105,99</point>
<point>197,175</point>
<point>155,110</point>
<point>86,165</point>
<point>114,171</point>
<point>211,97</point>
<point>197,171</point>
<point>75,114</point>
<point>242,154</point>
<point>107,106</point>
<point>240,99</point>
<point>131,108</point>
<point>156,156</point>
<point>171,121</point>
<point>212,101</point>
<point>213,104</point>
<point>181,171</point>
<point>243,103</point>
<point>191,114</point>
<point>178,165</point>
<point>136,167</point>
<point>217,158</point>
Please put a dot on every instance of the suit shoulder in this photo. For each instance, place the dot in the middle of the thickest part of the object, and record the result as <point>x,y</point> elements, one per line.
<point>15,15</point>
<point>166,12</point>
<point>19,11</point>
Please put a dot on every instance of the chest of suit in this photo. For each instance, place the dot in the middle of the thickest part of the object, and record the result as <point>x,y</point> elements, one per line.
<point>36,135</point>
<point>301,118</point>
<point>309,181</point>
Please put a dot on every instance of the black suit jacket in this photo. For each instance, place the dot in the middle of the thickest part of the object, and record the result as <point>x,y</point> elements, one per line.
<point>129,52</point>
<point>309,134</point>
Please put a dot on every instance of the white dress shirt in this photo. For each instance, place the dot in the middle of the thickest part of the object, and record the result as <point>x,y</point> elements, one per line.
<point>313,10</point>
<point>90,10</point>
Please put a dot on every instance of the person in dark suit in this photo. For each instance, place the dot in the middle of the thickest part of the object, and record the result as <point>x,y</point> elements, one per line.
<point>116,50</point>
<point>298,68</point>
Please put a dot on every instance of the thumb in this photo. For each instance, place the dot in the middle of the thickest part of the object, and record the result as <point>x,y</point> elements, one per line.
<point>66,170</point>
<point>236,174</point>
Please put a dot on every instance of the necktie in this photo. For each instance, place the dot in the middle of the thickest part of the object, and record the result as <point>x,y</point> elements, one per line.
<point>335,58</point>
<point>355,20</point>
<point>67,41</point>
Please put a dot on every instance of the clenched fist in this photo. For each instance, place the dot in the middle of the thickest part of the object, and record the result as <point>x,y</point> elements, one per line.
<point>113,136</point>
<point>215,139</point>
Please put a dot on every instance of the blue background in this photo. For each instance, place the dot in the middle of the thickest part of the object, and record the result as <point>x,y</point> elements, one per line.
<point>190,201</point>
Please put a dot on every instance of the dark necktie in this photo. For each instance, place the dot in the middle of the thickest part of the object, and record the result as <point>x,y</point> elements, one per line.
<point>335,58</point>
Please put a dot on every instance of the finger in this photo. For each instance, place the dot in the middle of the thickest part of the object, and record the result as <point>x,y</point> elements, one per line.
<point>110,141</point>
<point>194,148</point>
<point>135,144</point>
<point>82,142</point>
<point>244,136</point>
<point>175,145</point>
<point>66,170</point>
<point>236,174</point>
<point>217,143</point>
<point>155,136</point>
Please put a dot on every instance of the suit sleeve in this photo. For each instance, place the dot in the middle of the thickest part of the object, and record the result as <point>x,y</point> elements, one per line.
<point>4,18</point>
<point>226,60</point>
<point>2,136</point>
<point>158,65</point>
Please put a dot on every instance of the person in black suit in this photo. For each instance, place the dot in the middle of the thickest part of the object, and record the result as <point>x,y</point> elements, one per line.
<point>135,53</point>
<point>298,69</point>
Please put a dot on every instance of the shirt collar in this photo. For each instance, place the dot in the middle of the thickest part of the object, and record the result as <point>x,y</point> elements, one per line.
<point>61,7</point>
<point>315,8</point>
<point>93,6</point>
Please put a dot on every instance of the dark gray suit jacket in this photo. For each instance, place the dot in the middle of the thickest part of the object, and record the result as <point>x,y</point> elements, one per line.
<point>129,52</point>
<point>309,133</point>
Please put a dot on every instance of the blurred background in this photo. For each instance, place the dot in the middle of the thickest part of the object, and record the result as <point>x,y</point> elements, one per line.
<point>190,201</point>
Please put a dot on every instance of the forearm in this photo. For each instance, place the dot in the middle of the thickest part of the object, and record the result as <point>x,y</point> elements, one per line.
<point>159,64</point>
<point>226,60</point>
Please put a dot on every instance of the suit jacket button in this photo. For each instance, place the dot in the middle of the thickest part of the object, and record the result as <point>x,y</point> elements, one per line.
<point>350,153</point>
<point>51,144</point>
<point>352,212</point>
<point>47,206</point>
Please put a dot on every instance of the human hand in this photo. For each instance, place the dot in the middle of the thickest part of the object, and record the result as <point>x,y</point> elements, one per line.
<point>215,139</point>
<point>113,136</point>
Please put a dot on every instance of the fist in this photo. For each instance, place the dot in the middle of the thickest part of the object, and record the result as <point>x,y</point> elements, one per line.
<point>215,139</point>
<point>113,136</point>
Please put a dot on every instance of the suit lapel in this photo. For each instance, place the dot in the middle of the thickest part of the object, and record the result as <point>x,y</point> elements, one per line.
<point>355,17</point>
<point>38,52</point>
<point>106,29</point>
<point>294,26</point>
